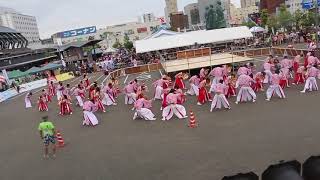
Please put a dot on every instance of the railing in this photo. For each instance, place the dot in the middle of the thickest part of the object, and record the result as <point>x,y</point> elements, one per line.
<point>253,52</point>
<point>289,51</point>
<point>193,53</point>
<point>205,58</point>
<point>134,70</point>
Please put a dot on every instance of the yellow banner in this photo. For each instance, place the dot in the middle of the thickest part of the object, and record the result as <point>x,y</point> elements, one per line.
<point>65,76</point>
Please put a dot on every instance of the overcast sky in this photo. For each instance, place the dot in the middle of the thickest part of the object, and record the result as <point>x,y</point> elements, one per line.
<point>59,15</point>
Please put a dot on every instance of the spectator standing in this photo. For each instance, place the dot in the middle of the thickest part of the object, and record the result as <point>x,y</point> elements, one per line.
<point>47,134</point>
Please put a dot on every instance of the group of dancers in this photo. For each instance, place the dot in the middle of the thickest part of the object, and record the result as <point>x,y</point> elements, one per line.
<point>219,84</point>
<point>98,98</point>
<point>215,86</point>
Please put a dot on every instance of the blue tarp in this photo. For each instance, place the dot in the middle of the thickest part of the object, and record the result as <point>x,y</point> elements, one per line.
<point>33,70</point>
<point>51,66</point>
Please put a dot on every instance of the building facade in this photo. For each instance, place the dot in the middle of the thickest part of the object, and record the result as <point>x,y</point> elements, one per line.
<point>24,24</point>
<point>294,5</point>
<point>111,34</point>
<point>248,3</point>
<point>171,7</point>
<point>179,21</point>
<point>271,5</point>
<point>204,4</point>
<point>192,11</point>
<point>148,17</point>
<point>239,15</point>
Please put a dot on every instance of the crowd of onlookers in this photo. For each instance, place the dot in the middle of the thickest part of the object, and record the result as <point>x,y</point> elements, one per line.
<point>294,37</point>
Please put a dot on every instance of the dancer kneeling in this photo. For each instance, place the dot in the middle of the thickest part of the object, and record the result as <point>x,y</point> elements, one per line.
<point>89,119</point>
<point>173,107</point>
<point>141,106</point>
<point>219,98</point>
<point>275,88</point>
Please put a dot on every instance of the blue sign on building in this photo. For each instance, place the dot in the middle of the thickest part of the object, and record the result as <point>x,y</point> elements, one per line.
<point>308,4</point>
<point>78,32</point>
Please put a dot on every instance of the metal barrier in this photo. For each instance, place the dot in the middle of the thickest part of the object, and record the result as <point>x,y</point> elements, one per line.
<point>134,70</point>
<point>289,51</point>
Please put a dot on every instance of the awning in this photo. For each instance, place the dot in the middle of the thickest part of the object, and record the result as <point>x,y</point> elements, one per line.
<point>33,70</point>
<point>162,33</point>
<point>193,37</point>
<point>257,29</point>
<point>79,44</point>
<point>16,74</point>
<point>51,66</point>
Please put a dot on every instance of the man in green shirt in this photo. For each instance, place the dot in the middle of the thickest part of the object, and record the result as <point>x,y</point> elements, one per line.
<point>47,133</point>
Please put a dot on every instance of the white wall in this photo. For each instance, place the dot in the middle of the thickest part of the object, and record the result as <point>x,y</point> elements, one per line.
<point>26,25</point>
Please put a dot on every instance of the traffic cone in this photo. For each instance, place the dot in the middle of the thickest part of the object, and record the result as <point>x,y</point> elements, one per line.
<point>192,121</point>
<point>60,139</point>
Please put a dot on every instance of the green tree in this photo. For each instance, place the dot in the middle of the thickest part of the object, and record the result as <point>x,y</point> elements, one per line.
<point>273,22</point>
<point>309,19</point>
<point>215,16</point>
<point>117,44</point>
<point>221,22</point>
<point>284,17</point>
<point>264,17</point>
<point>211,17</point>
<point>298,19</point>
<point>249,24</point>
<point>127,43</point>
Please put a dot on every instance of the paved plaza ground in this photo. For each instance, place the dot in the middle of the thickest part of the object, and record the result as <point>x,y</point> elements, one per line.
<point>249,137</point>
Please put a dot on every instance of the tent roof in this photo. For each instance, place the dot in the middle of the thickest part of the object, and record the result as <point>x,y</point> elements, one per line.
<point>257,29</point>
<point>50,66</point>
<point>162,33</point>
<point>190,38</point>
<point>16,74</point>
<point>79,44</point>
<point>33,70</point>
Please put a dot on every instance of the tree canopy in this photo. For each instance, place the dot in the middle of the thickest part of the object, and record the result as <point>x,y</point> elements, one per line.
<point>127,43</point>
<point>215,16</point>
<point>284,19</point>
<point>117,44</point>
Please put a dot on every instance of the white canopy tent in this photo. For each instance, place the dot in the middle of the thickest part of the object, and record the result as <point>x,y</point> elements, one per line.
<point>193,37</point>
<point>162,33</point>
<point>257,29</point>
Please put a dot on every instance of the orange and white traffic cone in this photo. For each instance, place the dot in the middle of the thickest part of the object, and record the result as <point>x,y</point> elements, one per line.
<point>192,121</point>
<point>60,140</point>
